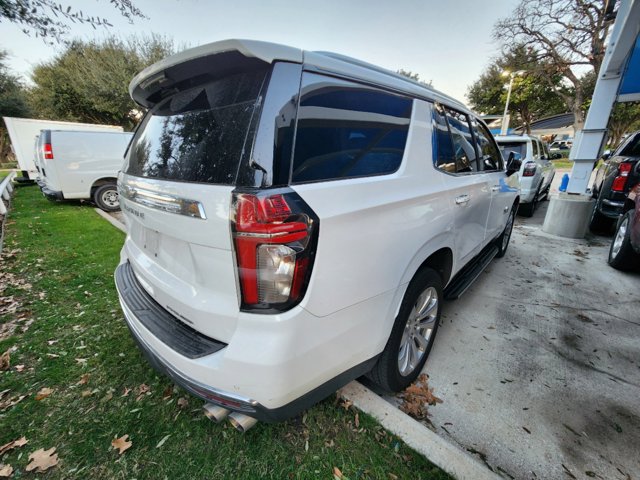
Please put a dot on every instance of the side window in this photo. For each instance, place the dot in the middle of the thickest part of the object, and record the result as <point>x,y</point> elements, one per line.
<point>347,130</point>
<point>490,157</point>
<point>534,146</point>
<point>464,151</point>
<point>443,153</point>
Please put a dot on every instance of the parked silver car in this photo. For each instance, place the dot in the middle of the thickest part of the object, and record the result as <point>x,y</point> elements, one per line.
<point>536,171</point>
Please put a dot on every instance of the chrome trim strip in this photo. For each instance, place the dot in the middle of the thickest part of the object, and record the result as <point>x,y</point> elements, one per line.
<point>162,201</point>
<point>611,203</point>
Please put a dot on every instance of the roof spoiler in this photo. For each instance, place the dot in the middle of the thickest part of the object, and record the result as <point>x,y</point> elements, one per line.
<point>205,64</point>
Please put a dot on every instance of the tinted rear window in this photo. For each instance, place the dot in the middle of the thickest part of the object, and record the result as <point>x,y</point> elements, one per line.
<point>519,148</point>
<point>632,149</point>
<point>348,130</point>
<point>198,135</point>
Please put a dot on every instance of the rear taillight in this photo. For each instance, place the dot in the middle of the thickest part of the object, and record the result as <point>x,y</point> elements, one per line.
<point>275,237</point>
<point>621,179</point>
<point>47,151</point>
<point>529,169</point>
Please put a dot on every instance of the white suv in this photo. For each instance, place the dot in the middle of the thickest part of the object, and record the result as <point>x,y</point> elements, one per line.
<point>296,220</point>
<point>536,170</point>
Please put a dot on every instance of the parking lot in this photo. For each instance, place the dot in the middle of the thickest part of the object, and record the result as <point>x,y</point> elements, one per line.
<point>537,364</point>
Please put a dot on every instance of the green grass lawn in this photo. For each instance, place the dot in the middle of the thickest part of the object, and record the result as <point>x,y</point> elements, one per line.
<point>58,265</point>
<point>562,163</point>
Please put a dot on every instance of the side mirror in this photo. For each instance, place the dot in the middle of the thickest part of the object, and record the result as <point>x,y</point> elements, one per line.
<point>606,154</point>
<point>513,164</point>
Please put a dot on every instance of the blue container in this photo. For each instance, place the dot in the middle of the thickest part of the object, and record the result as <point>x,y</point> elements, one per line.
<point>564,183</point>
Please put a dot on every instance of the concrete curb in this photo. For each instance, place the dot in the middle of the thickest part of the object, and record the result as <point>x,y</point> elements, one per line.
<point>119,225</point>
<point>450,458</point>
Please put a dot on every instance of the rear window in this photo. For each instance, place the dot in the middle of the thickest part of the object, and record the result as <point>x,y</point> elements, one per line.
<point>198,135</point>
<point>632,149</point>
<point>518,148</point>
<point>347,130</point>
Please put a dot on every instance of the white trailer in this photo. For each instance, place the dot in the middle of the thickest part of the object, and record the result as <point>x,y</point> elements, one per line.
<point>23,133</point>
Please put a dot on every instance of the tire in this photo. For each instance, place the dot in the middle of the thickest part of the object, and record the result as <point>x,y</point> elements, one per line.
<point>395,370</point>
<point>600,223</point>
<point>106,197</point>
<point>502,242</point>
<point>527,209</point>
<point>622,256</point>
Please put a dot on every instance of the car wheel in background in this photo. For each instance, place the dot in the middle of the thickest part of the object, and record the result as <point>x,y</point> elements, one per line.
<point>412,334</point>
<point>622,256</point>
<point>106,197</point>
<point>502,242</point>
<point>600,223</point>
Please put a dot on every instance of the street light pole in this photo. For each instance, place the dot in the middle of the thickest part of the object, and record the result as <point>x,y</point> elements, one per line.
<point>505,116</point>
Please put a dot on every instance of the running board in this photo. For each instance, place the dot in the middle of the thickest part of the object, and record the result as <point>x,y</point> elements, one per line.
<point>465,277</point>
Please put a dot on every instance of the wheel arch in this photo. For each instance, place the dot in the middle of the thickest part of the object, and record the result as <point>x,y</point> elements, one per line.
<point>102,181</point>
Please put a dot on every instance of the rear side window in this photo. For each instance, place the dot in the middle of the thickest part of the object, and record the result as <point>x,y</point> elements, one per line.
<point>347,130</point>
<point>198,135</point>
<point>534,146</point>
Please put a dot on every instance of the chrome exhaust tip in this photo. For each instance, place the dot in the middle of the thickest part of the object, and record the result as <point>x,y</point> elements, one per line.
<point>242,422</point>
<point>215,412</point>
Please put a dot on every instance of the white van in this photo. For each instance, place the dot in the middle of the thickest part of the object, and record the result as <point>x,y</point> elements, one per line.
<point>23,133</point>
<point>81,165</point>
<point>296,219</point>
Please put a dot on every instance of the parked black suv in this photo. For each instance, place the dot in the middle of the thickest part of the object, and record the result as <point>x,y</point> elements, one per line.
<point>618,173</point>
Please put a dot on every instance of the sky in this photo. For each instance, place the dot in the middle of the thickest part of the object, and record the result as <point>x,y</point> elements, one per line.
<point>448,42</point>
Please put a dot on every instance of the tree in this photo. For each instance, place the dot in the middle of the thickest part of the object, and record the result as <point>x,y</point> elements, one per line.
<point>625,117</point>
<point>89,81</point>
<point>531,97</point>
<point>50,20</point>
<point>13,102</point>
<point>414,76</point>
<point>567,36</point>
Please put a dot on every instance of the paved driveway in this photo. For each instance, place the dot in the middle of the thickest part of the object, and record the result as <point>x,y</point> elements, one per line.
<point>538,364</point>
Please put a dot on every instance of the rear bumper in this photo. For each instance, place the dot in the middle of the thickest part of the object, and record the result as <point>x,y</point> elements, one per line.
<point>611,208</point>
<point>268,383</point>
<point>51,194</point>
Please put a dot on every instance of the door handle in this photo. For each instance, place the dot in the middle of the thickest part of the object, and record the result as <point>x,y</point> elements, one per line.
<point>462,199</point>
<point>495,188</point>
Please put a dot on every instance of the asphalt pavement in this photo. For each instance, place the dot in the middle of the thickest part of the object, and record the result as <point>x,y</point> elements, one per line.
<point>538,364</point>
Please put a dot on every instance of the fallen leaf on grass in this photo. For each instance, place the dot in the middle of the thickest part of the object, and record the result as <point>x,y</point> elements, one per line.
<point>126,392</point>
<point>5,470</point>
<point>10,402</point>
<point>183,402</point>
<point>19,368</point>
<point>86,393</point>
<point>11,445</point>
<point>337,474</point>
<point>161,442</point>
<point>121,444</point>
<point>42,460</point>
<point>168,392</point>
<point>82,361</point>
<point>142,390</point>
<point>52,355</point>
<point>52,342</point>
<point>84,379</point>
<point>357,420</point>
<point>5,360</point>
<point>43,393</point>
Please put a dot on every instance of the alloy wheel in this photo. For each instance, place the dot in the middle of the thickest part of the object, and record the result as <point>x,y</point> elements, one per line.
<point>418,331</point>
